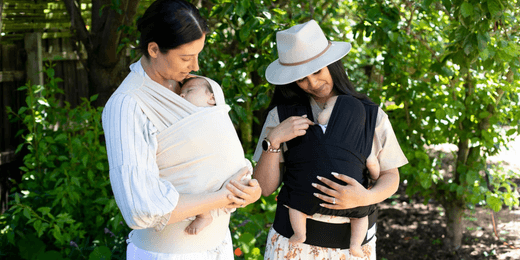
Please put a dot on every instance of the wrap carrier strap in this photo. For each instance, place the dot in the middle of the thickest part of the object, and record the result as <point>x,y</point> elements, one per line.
<point>330,235</point>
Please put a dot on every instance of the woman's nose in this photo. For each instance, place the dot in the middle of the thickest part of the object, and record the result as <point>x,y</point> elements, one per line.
<point>312,81</point>
<point>194,66</point>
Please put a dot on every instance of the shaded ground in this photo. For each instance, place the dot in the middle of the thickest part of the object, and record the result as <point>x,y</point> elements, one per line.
<point>407,229</point>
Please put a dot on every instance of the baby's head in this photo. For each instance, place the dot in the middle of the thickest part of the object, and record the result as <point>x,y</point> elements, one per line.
<point>323,117</point>
<point>198,91</point>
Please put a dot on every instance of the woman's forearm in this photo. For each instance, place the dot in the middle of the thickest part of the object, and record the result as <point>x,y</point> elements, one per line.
<point>267,172</point>
<point>386,185</point>
<point>190,205</point>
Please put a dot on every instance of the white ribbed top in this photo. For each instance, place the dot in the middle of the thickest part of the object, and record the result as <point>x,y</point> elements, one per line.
<point>145,200</point>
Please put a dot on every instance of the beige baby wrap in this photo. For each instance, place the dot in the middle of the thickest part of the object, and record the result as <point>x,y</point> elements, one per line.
<point>198,150</point>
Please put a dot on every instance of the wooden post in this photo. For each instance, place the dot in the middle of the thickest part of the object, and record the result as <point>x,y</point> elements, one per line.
<point>1,12</point>
<point>33,47</point>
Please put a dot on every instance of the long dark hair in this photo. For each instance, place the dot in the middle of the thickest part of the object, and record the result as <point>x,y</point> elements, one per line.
<point>170,23</point>
<point>292,94</point>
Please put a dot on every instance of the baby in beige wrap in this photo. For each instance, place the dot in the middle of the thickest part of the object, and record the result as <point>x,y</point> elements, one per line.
<point>198,91</point>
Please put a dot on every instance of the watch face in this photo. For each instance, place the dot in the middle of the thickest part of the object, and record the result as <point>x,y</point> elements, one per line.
<point>265,145</point>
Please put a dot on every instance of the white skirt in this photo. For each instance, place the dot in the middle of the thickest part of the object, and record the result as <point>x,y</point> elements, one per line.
<point>223,252</point>
<point>278,247</point>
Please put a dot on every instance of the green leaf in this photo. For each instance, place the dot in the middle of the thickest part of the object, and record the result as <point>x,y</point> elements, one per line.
<point>84,160</point>
<point>27,213</point>
<point>483,114</point>
<point>22,110</point>
<point>94,97</point>
<point>44,210</point>
<point>50,255</point>
<point>511,132</point>
<point>466,9</point>
<point>38,227</point>
<point>494,202</point>
<point>447,4</point>
<point>100,166</point>
<point>30,247</point>
<point>244,32</point>
<point>56,232</point>
<point>246,240</point>
<point>60,137</point>
<point>100,253</point>
<point>240,9</point>
<point>495,7</point>
<point>393,36</point>
<point>484,54</point>
<point>19,148</point>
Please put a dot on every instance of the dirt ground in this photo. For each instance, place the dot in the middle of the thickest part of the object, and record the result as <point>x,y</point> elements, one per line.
<point>408,229</point>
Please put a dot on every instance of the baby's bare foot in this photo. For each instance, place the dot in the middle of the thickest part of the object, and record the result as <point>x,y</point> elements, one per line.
<point>297,238</point>
<point>198,225</point>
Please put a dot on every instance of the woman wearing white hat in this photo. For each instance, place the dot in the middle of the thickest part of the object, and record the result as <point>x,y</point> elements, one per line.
<point>308,72</point>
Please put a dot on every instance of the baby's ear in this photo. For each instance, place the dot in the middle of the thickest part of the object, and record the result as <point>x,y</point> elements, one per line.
<point>211,100</point>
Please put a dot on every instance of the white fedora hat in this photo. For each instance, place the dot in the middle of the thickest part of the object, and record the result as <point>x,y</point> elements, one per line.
<point>303,49</point>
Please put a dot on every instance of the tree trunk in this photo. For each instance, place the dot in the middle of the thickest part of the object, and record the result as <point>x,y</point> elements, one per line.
<point>454,227</point>
<point>246,128</point>
<point>106,66</point>
<point>104,80</point>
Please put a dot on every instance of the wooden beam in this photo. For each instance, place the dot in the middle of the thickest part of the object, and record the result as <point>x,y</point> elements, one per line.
<point>6,157</point>
<point>34,67</point>
<point>10,76</point>
<point>64,55</point>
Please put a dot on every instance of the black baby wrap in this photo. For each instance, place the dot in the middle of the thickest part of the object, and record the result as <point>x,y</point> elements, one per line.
<point>343,148</point>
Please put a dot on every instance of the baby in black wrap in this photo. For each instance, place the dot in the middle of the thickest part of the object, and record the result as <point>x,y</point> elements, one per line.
<point>359,226</point>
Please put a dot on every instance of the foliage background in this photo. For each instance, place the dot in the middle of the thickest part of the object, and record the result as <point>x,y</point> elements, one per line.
<point>444,71</point>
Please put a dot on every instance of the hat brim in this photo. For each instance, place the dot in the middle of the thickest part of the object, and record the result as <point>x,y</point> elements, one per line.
<point>279,74</point>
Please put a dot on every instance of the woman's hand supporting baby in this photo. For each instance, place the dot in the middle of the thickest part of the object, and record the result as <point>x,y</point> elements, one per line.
<point>242,191</point>
<point>354,194</point>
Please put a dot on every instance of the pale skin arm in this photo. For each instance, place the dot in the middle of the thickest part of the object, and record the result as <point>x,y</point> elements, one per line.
<point>228,196</point>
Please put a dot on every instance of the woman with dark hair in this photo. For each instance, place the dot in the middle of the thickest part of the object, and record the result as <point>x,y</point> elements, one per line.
<point>168,161</point>
<point>324,175</point>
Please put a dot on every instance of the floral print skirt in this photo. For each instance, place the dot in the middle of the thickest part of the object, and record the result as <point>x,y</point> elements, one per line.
<point>278,247</point>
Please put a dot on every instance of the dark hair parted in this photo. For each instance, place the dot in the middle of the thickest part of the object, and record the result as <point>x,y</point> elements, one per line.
<point>292,94</point>
<point>170,23</point>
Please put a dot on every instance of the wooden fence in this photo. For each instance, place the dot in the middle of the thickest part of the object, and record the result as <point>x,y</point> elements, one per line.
<point>23,61</point>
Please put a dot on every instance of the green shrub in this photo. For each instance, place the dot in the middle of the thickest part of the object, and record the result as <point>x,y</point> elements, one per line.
<point>250,226</point>
<point>63,208</point>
